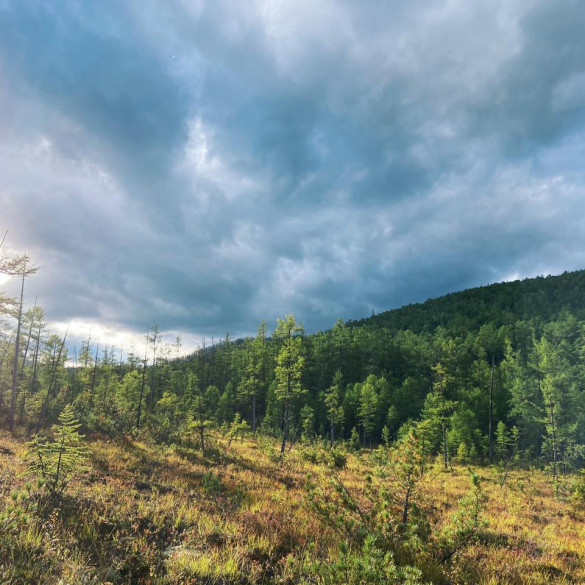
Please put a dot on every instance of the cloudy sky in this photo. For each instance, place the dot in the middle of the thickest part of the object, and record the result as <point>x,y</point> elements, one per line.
<point>206,165</point>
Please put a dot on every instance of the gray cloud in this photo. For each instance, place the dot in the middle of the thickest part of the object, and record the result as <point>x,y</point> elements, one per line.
<point>207,165</point>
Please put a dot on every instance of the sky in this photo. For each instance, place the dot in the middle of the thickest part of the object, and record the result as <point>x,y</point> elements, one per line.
<point>206,165</point>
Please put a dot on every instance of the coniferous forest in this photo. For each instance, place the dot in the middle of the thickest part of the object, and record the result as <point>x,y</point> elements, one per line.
<point>441,442</point>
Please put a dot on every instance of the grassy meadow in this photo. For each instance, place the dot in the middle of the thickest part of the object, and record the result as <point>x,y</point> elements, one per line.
<point>141,513</point>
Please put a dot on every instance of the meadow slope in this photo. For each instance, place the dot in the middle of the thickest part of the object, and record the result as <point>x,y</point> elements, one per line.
<point>141,513</point>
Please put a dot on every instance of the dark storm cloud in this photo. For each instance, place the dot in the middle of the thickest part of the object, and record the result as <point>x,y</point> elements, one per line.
<point>88,65</point>
<point>206,165</point>
<point>535,100</point>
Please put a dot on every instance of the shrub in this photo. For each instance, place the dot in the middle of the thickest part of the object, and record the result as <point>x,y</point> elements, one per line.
<point>578,495</point>
<point>332,458</point>
<point>56,461</point>
<point>371,565</point>
<point>211,484</point>
<point>338,459</point>
<point>466,523</point>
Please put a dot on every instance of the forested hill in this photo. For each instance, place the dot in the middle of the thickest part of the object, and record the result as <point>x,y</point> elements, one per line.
<point>542,298</point>
<point>480,375</point>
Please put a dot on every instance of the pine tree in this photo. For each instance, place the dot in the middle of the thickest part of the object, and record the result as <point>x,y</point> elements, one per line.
<point>407,468</point>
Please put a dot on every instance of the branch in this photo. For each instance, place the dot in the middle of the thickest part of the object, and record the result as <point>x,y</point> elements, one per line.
<point>17,266</point>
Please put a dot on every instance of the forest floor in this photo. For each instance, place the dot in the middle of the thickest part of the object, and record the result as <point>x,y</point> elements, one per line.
<point>141,513</point>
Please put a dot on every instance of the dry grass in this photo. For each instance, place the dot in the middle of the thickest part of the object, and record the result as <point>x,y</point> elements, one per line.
<point>148,514</point>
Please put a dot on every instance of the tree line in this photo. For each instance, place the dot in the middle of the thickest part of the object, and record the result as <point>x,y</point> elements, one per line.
<point>485,375</point>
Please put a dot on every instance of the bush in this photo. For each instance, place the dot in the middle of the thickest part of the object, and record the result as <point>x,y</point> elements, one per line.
<point>370,565</point>
<point>333,458</point>
<point>338,459</point>
<point>56,461</point>
<point>466,523</point>
<point>578,495</point>
<point>211,484</point>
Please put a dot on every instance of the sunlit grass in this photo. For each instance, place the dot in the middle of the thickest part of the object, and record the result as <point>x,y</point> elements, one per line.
<point>149,514</point>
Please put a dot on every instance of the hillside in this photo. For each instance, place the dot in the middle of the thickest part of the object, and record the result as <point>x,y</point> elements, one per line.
<point>542,298</point>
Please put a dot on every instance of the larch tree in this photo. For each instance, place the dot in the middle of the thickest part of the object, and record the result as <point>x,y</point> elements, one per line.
<point>332,400</point>
<point>37,325</point>
<point>21,267</point>
<point>154,339</point>
<point>252,381</point>
<point>368,407</point>
<point>289,368</point>
<point>142,381</point>
<point>7,304</point>
<point>54,358</point>
<point>553,386</point>
<point>57,460</point>
<point>438,409</point>
<point>196,403</point>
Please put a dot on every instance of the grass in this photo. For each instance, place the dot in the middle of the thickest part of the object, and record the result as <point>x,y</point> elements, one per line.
<point>145,514</point>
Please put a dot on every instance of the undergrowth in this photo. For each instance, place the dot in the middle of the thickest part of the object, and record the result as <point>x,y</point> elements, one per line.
<point>139,513</point>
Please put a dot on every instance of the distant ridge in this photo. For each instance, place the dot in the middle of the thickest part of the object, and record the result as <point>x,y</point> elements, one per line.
<point>541,298</point>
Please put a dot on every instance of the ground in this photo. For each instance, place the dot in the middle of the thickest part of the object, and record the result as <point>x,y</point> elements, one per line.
<point>142,513</point>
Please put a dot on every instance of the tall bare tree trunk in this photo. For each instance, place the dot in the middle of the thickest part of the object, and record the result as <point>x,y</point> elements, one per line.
<point>27,344</point>
<point>554,439</point>
<point>287,404</point>
<point>142,384</point>
<point>491,414</point>
<point>34,374</point>
<point>4,354</point>
<point>15,364</point>
<point>254,412</point>
<point>45,405</point>
<point>93,375</point>
<point>445,451</point>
